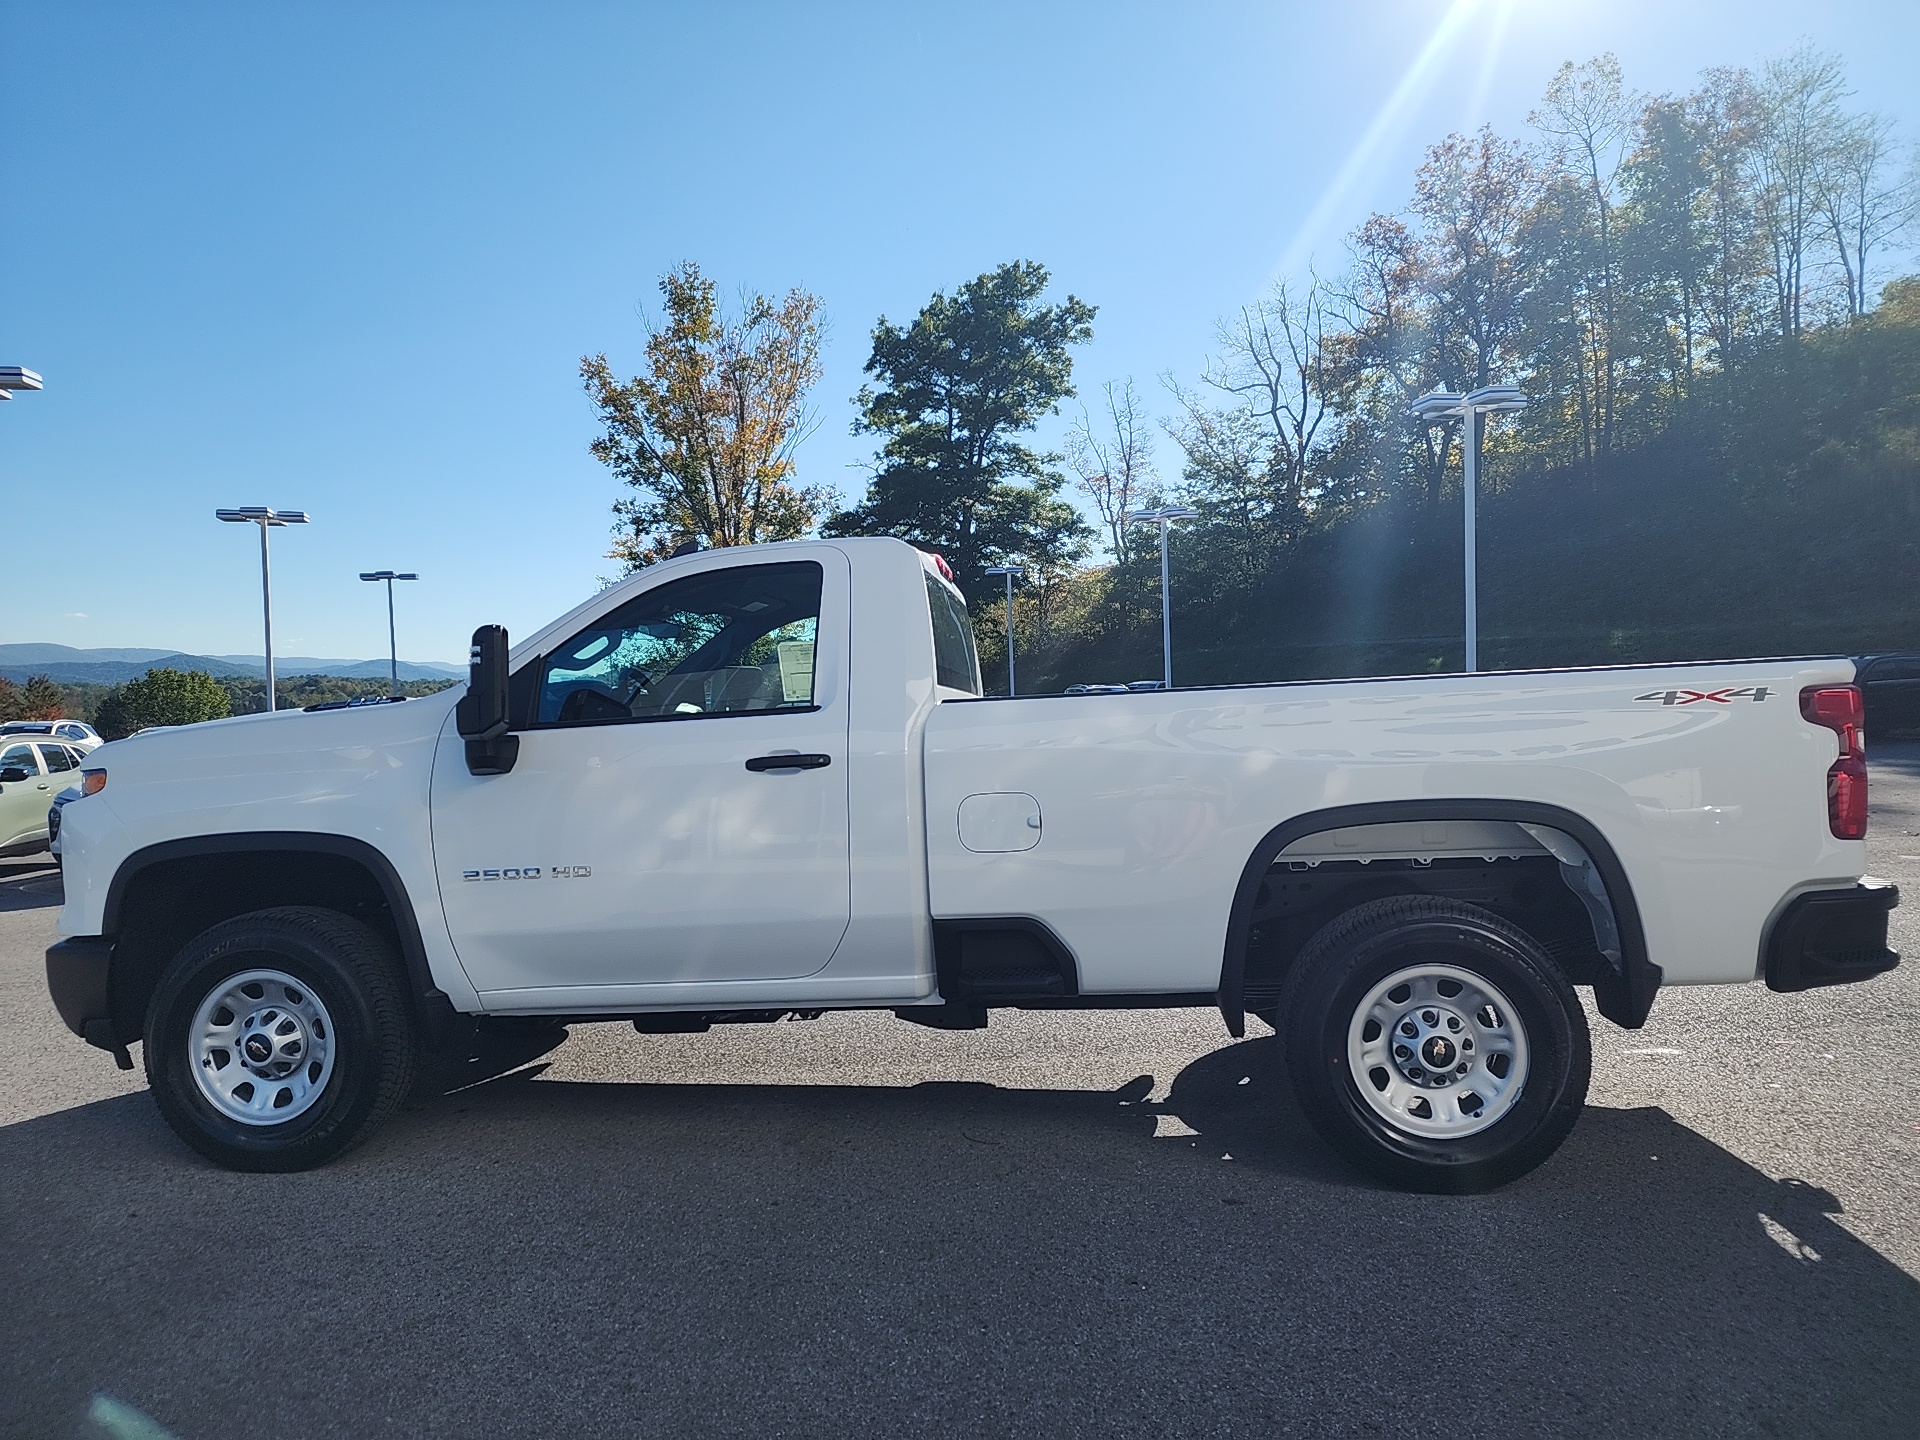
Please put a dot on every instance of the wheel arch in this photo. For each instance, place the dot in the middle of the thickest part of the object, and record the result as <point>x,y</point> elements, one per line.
<point>164,894</point>
<point>1624,996</point>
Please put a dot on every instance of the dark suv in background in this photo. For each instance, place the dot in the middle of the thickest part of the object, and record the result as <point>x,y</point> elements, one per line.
<point>1891,684</point>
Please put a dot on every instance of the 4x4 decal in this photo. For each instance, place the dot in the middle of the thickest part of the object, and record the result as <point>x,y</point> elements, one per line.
<point>1717,697</point>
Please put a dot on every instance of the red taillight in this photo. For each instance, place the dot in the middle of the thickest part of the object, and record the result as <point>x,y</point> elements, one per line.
<point>946,570</point>
<point>1840,709</point>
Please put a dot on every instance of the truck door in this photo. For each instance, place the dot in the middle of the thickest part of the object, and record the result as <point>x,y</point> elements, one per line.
<point>678,810</point>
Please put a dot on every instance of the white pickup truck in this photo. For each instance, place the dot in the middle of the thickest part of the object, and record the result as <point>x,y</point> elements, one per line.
<point>762,783</point>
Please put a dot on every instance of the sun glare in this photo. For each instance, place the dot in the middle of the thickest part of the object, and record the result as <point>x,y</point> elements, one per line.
<point>1336,202</point>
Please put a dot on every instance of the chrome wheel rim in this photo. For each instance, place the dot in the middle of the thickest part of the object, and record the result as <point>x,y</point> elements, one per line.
<point>261,1047</point>
<point>1437,1052</point>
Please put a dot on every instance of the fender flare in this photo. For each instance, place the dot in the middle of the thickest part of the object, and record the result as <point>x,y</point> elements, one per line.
<point>431,1004</point>
<point>1624,998</point>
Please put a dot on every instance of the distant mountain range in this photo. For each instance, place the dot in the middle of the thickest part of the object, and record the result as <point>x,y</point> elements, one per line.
<point>115,666</point>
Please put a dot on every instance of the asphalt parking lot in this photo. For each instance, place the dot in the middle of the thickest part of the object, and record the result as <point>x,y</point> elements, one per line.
<point>1106,1224</point>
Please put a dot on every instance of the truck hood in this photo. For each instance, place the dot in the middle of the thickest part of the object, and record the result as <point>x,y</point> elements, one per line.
<point>287,742</point>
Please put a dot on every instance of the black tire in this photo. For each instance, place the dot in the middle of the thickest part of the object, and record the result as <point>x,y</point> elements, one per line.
<point>350,971</point>
<point>1321,1007</point>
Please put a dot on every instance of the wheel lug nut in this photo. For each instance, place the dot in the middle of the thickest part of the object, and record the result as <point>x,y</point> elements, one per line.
<point>1429,1017</point>
<point>1401,1052</point>
<point>1461,1071</point>
<point>1409,1029</point>
<point>1453,1022</point>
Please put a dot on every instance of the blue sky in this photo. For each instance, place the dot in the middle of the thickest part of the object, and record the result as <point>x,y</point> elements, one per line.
<point>346,257</point>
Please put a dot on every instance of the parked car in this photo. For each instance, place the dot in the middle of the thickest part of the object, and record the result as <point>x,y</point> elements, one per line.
<point>31,774</point>
<point>77,733</point>
<point>1891,685</point>
<point>761,783</point>
<point>65,798</point>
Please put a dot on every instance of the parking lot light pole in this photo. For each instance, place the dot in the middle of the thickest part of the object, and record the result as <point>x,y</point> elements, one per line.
<point>1437,405</point>
<point>393,646</point>
<point>1012,573</point>
<point>1164,517</point>
<point>18,377</point>
<point>266,518</point>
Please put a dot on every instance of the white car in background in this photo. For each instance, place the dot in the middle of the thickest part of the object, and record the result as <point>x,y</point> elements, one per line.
<point>77,733</point>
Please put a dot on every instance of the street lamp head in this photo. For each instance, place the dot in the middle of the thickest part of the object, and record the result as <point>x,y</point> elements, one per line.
<point>18,377</point>
<point>1014,570</point>
<point>263,515</point>
<point>1496,397</point>
<point>1435,405</point>
<point>1165,512</point>
<point>388,575</point>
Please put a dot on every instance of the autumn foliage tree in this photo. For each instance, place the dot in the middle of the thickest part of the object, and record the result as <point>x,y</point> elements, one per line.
<point>38,699</point>
<point>706,437</point>
<point>42,699</point>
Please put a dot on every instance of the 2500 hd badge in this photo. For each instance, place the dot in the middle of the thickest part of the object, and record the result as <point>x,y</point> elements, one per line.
<point>530,872</point>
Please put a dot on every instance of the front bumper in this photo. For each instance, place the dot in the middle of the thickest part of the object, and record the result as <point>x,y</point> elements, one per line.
<point>79,977</point>
<point>1832,937</point>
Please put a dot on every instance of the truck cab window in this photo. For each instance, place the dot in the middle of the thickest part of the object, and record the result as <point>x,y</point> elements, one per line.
<point>725,642</point>
<point>956,663</point>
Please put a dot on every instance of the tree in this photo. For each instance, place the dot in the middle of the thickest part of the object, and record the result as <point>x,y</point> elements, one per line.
<point>1587,110</point>
<point>1474,195</point>
<point>1113,458</point>
<point>707,437</point>
<point>1800,121</point>
<point>1868,199</point>
<point>953,391</point>
<point>1726,112</point>
<point>1667,179</point>
<point>1276,365</point>
<point>1383,300</point>
<point>42,700</point>
<point>162,697</point>
<point>1236,475</point>
<point>1378,359</point>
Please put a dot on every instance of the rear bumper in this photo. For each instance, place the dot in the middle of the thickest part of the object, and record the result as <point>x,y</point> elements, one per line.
<point>79,972</point>
<point>1832,937</point>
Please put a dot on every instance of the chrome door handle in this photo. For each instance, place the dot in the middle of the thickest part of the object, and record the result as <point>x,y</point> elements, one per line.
<point>761,763</point>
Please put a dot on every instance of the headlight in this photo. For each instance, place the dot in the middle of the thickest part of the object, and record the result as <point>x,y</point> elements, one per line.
<point>92,782</point>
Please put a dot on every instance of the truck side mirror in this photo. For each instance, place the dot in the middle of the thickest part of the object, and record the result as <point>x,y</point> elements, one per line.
<point>481,715</point>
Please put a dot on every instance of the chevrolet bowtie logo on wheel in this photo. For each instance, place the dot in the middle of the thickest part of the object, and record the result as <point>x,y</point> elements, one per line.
<point>1716,697</point>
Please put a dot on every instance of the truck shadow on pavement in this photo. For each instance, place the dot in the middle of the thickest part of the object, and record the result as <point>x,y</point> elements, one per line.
<point>31,884</point>
<point>526,1256</point>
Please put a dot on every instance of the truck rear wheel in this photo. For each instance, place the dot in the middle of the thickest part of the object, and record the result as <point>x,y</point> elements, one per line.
<point>279,1040</point>
<point>1435,1046</point>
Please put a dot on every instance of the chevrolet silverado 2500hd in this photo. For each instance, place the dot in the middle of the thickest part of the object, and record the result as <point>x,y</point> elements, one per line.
<point>762,783</point>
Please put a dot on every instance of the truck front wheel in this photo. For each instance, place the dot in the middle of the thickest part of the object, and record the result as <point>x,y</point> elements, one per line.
<point>280,1039</point>
<point>1434,1045</point>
